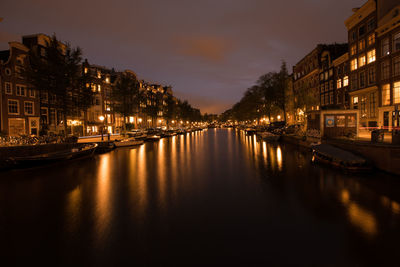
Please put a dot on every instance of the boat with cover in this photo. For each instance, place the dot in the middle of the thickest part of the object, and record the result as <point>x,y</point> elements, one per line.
<point>128,142</point>
<point>339,158</point>
<point>83,151</point>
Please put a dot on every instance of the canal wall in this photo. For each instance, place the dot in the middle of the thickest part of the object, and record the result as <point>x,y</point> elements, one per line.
<point>385,157</point>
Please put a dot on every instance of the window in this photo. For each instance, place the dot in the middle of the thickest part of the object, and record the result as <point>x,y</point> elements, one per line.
<point>353,36</point>
<point>345,81</point>
<point>13,107</point>
<point>339,83</point>
<point>44,115</point>
<point>353,64</point>
<point>330,72</point>
<point>32,93</point>
<point>331,85</point>
<point>361,61</point>
<point>52,116</point>
<point>340,121</point>
<point>385,71</point>
<point>331,98</point>
<point>371,39</point>
<point>396,66</point>
<point>98,74</point>
<point>371,56</point>
<point>355,102</point>
<point>363,106</point>
<point>362,79</point>
<point>386,95</point>
<point>86,70</point>
<point>354,82</point>
<point>20,90</point>
<point>322,88</point>
<point>371,76</point>
<point>338,98</point>
<point>372,104</point>
<point>28,107</point>
<point>361,31</point>
<point>396,42</point>
<point>361,45</point>
<point>396,93</point>
<point>98,88</point>
<point>321,77</point>
<point>385,47</point>
<point>8,88</point>
<point>326,75</point>
<point>371,25</point>
<point>353,49</point>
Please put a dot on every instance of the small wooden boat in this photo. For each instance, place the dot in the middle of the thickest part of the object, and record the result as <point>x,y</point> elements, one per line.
<point>128,142</point>
<point>70,154</point>
<point>269,137</point>
<point>339,158</point>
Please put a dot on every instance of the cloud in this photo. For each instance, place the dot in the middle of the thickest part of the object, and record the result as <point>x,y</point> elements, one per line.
<point>208,48</point>
<point>208,105</point>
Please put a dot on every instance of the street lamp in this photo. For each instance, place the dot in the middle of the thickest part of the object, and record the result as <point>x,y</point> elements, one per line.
<point>101,118</point>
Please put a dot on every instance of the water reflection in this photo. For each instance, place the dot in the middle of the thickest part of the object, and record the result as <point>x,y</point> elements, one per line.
<point>104,206</point>
<point>207,195</point>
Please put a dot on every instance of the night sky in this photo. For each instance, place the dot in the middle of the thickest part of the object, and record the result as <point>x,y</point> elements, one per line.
<point>210,51</point>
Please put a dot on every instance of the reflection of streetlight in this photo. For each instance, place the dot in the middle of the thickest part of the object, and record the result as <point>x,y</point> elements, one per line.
<point>101,118</point>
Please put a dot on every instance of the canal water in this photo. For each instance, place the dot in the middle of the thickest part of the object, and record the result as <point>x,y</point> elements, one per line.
<point>216,197</point>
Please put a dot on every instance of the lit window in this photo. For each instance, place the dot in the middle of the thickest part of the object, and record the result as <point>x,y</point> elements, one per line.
<point>353,49</point>
<point>98,88</point>
<point>28,108</point>
<point>345,81</point>
<point>86,70</point>
<point>386,95</point>
<point>98,74</point>
<point>361,45</point>
<point>396,93</point>
<point>371,39</point>
<point>353,65</point>
<point>339,83</point>
<point>361,61</point>
<point>13,107</point>
<point>355,102</point>
<point>371,56</point>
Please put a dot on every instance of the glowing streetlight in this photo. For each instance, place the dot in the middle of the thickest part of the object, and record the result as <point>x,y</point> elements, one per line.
<point>140,120</point>
<point>101,118</point>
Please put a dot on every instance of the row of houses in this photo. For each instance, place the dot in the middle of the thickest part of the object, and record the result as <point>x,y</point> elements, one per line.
<point>352,87</point>
<point>24,112</point>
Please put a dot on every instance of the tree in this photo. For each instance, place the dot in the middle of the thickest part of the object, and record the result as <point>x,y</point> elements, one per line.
<point>125,95</point>
<point>56,73</point>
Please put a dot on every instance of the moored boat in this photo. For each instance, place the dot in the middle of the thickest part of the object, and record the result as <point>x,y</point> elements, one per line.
<point>41,159</point>
<point>339,158</point>
<point>128,142</point>
<point>269,137</point>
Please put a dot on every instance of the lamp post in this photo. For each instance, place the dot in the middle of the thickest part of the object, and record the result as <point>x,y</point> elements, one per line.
<point>101,118</point>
